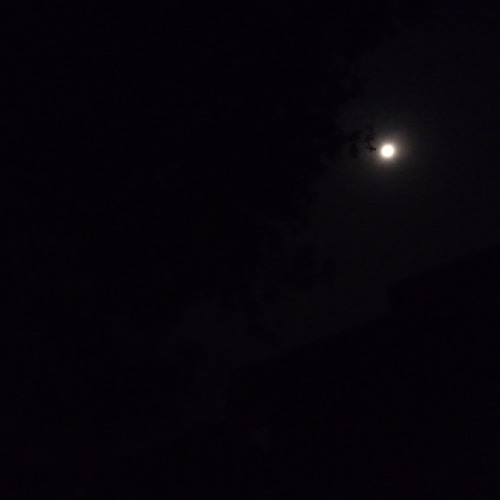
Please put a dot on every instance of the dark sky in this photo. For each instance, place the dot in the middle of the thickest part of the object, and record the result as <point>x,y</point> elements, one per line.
<point>433,92</point>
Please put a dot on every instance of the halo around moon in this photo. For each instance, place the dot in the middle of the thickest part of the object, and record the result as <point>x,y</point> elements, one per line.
<point>387,151</point>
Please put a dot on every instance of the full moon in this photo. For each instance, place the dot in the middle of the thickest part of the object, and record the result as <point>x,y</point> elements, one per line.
<point>387,151</point>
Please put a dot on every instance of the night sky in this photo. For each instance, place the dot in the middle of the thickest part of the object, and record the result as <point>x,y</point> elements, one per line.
<point>435,90</point>
<point>434,93</point>
<point>119,189</point>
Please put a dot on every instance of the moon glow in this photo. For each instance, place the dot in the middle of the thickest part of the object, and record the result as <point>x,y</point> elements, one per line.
<point>387,150</point>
